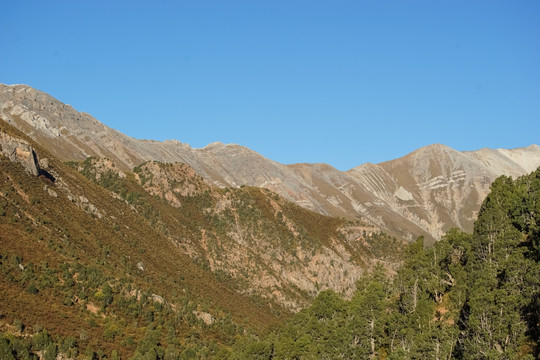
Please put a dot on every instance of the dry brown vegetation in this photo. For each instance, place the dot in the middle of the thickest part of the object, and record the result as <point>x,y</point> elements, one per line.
<point>94,238</point>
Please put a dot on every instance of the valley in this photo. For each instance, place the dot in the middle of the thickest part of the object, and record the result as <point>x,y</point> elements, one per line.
<point>113,247</point>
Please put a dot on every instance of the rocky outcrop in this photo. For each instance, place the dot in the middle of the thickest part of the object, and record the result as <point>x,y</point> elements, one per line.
<point>168,181</point>
<point>19,151</point>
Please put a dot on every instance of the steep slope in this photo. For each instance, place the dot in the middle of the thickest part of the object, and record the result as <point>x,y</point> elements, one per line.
<point>266,245</point>
<point>71,135</point>
<point>437,187</point>
<point>161,249</point>
<point>89,269</point>
<point>423,193</point>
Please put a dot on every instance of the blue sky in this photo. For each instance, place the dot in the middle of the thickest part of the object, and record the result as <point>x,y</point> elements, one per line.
<point>341,82</point>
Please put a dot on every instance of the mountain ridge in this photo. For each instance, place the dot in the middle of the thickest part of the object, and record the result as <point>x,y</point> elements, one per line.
<point>423,193</point>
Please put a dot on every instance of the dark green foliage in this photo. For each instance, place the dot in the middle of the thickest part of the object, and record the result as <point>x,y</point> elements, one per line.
<point>6,349</point>
<point>466,297</point>
<point>32,289</point>
<point>501,306</point>
<point>50,352</point>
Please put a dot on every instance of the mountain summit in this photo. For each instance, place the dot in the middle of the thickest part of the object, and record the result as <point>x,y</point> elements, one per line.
<point>423,193</point>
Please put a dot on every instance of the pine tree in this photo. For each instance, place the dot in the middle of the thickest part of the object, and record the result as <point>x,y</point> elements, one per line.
<point>368,314</point>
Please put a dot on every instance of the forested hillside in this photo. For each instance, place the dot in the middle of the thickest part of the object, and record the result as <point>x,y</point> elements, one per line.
<point>98,263</point>
<point>101,263</point>
<point>467,297</point>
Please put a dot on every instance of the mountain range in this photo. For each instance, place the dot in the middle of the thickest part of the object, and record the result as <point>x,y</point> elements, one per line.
<point>424,193</point>
<point>252,238</point>
<point>116,247</point>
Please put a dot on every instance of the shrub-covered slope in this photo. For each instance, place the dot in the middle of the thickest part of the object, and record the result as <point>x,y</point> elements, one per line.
<point>92,272</point>
<point>97,262</point>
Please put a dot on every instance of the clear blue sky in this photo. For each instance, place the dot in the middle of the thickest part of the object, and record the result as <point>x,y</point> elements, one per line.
<point>341,82</point>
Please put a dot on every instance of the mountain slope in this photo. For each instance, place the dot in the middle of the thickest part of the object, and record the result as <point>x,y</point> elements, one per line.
<point>77,261</point>
<point>160,253</point>
<point>423,193</point>
<point>469,296</point>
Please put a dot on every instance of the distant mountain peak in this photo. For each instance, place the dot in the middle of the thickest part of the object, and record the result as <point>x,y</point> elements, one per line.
<point>433,150</point>
<point>213,145</point>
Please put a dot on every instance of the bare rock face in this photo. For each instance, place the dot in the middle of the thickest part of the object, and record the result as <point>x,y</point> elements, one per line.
<point>423,193</point>
<point>20,151</point>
